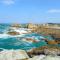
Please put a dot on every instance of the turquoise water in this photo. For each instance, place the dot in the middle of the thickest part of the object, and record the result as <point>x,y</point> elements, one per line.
<point>14,43</point>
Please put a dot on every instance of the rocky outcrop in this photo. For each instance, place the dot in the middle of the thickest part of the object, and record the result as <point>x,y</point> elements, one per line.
<point>16,25</point>
<point>45,50</point>
<point>33,27</point>
<point>51,51</point>
<point>13,33</point>
<point>52,42</point>
<point>32,40</point>
<point>22,55</point>
<point>44,57</point>
<point>58,41</point>
<point>37,51</point>
<point>13,55</point>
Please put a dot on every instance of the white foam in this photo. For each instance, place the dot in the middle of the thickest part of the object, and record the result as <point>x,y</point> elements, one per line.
<point>4,36</point>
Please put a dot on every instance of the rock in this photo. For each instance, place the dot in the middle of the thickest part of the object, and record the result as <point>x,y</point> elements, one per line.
<point>13,33</point>
<point>51,51</point>
<point>46,50</point>
<point>52,42</point>
<point>37,51</point>
<point>51,57</point>
<point>16,25</point>
<point>40,57</point>
<point>58,41</point>
<point>13,55</point>
<point>31,40</point>
<point>44,57</point>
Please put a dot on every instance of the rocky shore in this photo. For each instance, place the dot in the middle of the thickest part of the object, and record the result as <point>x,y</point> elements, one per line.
<point>23,55</point>
<point>48,51</point>
<point>45,50</point>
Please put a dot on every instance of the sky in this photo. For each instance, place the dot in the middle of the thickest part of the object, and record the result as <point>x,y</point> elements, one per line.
<point>29,11</point>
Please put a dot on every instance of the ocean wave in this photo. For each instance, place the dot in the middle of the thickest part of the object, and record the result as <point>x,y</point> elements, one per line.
<point>4,36</point>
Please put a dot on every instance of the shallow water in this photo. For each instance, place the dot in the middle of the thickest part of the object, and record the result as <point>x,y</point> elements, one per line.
<point>14,43</point>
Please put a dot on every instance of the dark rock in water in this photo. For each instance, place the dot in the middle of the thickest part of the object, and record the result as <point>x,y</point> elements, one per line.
<point>52,42</point>
<point>13,33</point>
<point>58,41</point>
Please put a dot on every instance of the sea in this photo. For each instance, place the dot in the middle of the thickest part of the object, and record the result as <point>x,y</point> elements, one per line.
<point>18,42</point>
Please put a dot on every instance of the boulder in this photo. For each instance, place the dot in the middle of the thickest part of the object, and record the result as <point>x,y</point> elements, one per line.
<point>13,55</point>
<point>52,42</point>
<point>13,33</point>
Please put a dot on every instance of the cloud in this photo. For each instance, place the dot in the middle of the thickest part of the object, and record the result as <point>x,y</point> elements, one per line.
<point>8,2</point>
<point>54,11</point>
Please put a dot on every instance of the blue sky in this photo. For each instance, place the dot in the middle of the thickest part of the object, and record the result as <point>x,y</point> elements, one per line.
<point>33,11</point>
